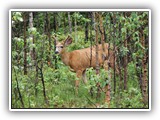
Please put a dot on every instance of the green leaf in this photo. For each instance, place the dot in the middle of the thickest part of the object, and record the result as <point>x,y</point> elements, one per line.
<point>20,19</point>
<point>123,30</point>
<point>122,19</point>
<point>32,45</point>
<point>32,30</point>
<point>15,67</point>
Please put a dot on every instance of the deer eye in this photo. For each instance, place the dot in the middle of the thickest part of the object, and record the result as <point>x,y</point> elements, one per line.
<point>61,46</point>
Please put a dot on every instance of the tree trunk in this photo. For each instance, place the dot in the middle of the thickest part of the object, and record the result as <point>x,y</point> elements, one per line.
<point>32,51</point>
<point>25,45</point>
<point>125,59</point>
<point>96,16</point>
<point>54,22</point>
<point>43,85</point>
<point>70,23</point>
<point>114,44</point>
<point>101,30</point>
<point>49,37</point>
<point>120,61</point>
<point>86,28</point>
<point>107,68</point>
<point>96,39</point>
<point>55,62</point>
<point>18,89</point>
<point>144,70</point>
<point>41,71</point>
<point>31,38</point>
<point>64,23</point>
<point>75,27</point>
<point>125,67</point>
<point>91,24</point>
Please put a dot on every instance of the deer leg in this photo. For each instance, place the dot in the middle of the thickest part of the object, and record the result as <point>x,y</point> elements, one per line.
<point>84,77</point>
<point>79,75</point>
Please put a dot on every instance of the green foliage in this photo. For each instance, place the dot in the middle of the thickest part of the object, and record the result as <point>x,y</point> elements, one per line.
<point>17,16</point>
<point>128,99</point>
<point>59,83</point>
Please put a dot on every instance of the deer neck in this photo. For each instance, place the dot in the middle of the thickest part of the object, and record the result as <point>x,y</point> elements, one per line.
<point>65,56</point>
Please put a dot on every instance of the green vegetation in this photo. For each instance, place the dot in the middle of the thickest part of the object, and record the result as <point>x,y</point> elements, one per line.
<point>41,80</point>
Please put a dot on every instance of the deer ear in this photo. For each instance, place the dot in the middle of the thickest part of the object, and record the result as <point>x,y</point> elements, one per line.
<point>68,41</point>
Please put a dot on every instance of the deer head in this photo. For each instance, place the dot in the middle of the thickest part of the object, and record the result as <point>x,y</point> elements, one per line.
<point>61,45</point>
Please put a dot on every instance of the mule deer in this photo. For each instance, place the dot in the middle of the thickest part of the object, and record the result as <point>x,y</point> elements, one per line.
<point>80,60</point>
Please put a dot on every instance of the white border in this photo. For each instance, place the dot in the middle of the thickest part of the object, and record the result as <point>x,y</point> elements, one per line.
<point>58,10</point>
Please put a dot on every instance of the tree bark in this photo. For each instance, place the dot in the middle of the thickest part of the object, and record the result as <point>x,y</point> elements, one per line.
<point>54,22</point>
<point>86,28</point>
<point>55,62</point>
<point>144,70</point>
<point>91,38</point>
<point>75,26</point>
<point>96,39</point>
<point>114,44</point>
<point>25,45</point>
<point>31,50</point>
<point>18,89</point>
<point>101,30</point>
<point>64,23</point>
<point>125,60</point>
<point>70,23</point>
<point>96,16</point>
<point>107,68</point>
<point>43,84</point>
<point>49,37</point>
<point>120,61</point>
<point>125,67</point>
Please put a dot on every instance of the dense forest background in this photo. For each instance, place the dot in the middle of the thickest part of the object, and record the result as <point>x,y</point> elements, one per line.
<point>41,80</point>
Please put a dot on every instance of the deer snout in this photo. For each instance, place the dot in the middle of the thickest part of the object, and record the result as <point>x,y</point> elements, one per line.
<point>56,52</point>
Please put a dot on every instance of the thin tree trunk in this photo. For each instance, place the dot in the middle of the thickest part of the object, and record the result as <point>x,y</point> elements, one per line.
<point>25,45</point>
<point>75,27</point>
<point>91,27</point>
<point>55,54</point>
<point>49,37</point>
<point>125,60</point>
<point>43,84</point>
<point>18,89</point>
<point>32,51</point>
<point>144,71</point>
<point>70,23</point>
<point>107,68</point>
<point>114,44</point>
<point>36,64</point>
<point>91,39</point>
<point>86,28</point>
<point>31,38</point>
<point>64,23</point>
<point>119,61</point>
<point>41,66</point>
<point>101,31</point>
<point>107,86</point>
<point>96,39</point>
<point>125,67</point>
<point>54,23</point>
<point>96,16</point>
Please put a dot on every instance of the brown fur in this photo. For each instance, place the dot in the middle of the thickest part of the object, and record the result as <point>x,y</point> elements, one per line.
<point>79,60</point>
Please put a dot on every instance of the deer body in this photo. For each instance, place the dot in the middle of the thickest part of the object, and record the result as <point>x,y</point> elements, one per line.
<point>80,60</point>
